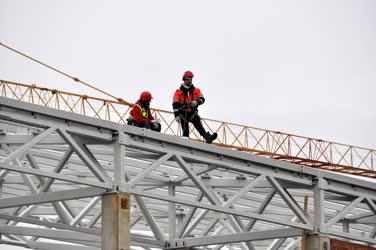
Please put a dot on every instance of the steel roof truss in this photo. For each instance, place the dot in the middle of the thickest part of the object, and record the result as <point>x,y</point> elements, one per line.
<point>188,217</point>
<point>54,176</point>
<point>85,156</point>
<point>208,192</point>
<point>50,197</point>
<point>58,206</point>
<point>226,197</point>
<point>48,224</point>
<point>344,211</point>
<point>157,231</point>
<point>20,151</point>
<point>150,169</point>
<point>294,206</point>
<point>238,237</point>
<point>220,209</point>
<point>260,210</point>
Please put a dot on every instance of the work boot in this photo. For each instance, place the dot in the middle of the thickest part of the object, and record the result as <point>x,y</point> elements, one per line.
<point>209,138</point>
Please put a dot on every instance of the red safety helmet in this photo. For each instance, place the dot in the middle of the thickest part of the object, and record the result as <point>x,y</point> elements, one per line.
<point>187,74</point>
<point>146,96</point>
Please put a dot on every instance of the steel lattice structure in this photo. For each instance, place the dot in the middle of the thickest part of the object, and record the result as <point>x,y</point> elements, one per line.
<point>287,147</point>
<point>56,165</point>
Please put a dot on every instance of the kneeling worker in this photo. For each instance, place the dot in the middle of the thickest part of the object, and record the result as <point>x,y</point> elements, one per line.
<point>141,116</point>
<point>185,104</point>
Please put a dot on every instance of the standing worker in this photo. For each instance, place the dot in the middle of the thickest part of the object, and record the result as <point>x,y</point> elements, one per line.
<point>141,116</point>
<point>185,103</point>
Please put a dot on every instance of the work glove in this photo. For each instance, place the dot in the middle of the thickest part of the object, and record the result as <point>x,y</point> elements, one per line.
<point>193,104</point>
<point>156,127</point>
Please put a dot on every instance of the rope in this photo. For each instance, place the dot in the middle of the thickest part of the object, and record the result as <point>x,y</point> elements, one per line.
<point>61,72</point>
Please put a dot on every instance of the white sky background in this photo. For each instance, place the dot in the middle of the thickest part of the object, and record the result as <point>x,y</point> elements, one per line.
<point>302,67</point>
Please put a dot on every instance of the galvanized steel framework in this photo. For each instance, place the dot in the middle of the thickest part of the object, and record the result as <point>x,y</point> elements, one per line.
<point>306,151</point>
<point>55,166</point>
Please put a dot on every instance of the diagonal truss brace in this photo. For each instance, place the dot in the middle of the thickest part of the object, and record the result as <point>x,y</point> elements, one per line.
<point>344,211</point>
<point>150,169</point>
<point>210,195</point>
<point>289,200</point>
<point>12,156</point>
<point>157,231</point>
<point>85,156</point>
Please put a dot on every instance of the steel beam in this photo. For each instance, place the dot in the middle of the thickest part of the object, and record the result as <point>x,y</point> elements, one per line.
<point>54,176</point>
<point>84,155</point>
<point>134,157</point>
<point>345,210</point>
<point>12,156</point>
<point>150,169</point>
<point>119,163</point>
<point>138,192</point>
<point>50,197</point>
<point>238,237</point>
<point>171,214</point>
<point>56,234</point>
<point>49,224</point>
<point>187,220</point>
<point>157,231</point>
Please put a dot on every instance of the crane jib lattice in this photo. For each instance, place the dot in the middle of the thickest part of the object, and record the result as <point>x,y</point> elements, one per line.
<point>287,147</point>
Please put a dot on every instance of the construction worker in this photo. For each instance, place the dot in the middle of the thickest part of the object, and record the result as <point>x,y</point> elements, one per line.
<point>141,116</point>
<point>185,103</point>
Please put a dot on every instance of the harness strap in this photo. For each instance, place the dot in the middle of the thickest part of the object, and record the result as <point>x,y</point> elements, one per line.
<point>144,113</point>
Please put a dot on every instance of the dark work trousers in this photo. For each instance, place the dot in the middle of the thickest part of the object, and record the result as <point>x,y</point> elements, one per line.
<point>195,119</point>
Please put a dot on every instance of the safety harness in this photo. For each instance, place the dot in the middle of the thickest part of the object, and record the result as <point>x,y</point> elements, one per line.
<point>185,104</point>
<point>144,113</point>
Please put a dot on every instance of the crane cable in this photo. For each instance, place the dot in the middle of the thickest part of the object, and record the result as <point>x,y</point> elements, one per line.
<point>61,72</point>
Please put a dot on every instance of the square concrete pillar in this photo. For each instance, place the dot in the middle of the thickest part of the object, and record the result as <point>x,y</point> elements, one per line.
<point>317,242</point>
<point>116,233</point>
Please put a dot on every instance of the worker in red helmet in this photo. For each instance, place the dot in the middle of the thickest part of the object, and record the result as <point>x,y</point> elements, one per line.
<point>141,116</point>
<point>185,103</point>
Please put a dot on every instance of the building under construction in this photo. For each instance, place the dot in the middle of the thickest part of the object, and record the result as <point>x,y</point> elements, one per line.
<point>74,176</point>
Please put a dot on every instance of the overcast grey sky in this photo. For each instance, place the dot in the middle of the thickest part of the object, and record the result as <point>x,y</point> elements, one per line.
<point>303,67</point>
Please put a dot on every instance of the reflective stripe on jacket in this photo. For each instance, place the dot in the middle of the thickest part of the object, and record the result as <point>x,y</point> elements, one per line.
<point>140,114</point>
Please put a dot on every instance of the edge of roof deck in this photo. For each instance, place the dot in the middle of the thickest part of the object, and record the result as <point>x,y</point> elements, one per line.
<point>95,122</point>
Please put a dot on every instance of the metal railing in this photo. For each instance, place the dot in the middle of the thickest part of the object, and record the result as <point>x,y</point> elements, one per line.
<point>292,148</point>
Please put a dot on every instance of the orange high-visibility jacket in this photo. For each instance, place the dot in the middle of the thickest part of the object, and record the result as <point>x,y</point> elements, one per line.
<point>183,97</point>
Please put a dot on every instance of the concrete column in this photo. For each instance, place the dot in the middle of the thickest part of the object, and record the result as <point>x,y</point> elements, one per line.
<point>317,242</point>
<point>116,233</point>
